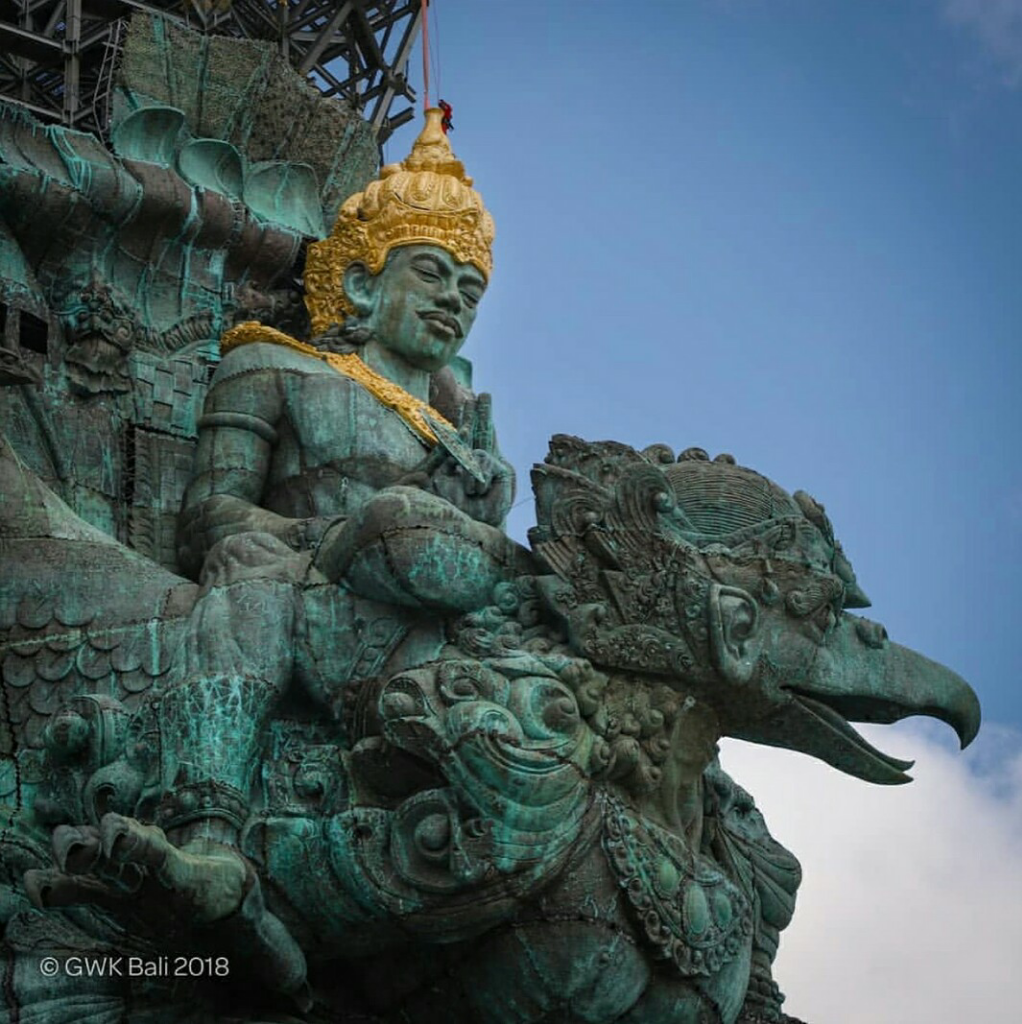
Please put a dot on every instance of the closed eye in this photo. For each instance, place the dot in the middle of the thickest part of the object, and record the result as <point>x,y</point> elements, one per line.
<point>471,288</point>
<point>427,268</point>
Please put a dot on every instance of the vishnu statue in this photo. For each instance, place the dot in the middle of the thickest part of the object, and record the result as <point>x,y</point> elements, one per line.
<point>298,437</point>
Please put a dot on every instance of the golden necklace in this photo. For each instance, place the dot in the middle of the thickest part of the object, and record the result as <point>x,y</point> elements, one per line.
<point>415,412</point>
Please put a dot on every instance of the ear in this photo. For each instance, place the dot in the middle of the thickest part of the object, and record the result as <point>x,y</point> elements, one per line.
<point>360,287</point>
<point>734,624</point>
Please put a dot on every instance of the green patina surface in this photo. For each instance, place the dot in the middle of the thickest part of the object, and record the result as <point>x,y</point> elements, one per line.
<point>123,264</point>
<point>279,693</point>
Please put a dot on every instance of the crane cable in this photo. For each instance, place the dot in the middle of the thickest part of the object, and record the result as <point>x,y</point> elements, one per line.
<point>445,107</point>
<point>425,55</point>
<point>434,52</point>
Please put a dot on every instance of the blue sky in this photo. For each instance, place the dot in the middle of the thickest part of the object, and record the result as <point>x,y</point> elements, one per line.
<point>790,230</point>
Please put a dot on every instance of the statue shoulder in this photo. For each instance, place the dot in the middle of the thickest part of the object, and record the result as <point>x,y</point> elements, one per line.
<point>254,379</point>
<point>266,357</point>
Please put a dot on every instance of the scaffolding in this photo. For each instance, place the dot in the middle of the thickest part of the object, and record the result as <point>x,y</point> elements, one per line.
<point>58,58</point>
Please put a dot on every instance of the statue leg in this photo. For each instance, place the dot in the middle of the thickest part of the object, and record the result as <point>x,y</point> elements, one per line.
<point>236,665</point>
<point>411,548</point>
<point>197,739</point>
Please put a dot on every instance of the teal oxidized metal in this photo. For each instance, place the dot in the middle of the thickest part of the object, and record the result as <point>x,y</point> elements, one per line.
<point>323,743</point>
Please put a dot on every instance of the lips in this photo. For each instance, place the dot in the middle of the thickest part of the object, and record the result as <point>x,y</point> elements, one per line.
<point>435,316</point>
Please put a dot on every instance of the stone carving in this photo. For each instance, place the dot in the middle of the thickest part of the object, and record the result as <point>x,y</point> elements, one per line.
<point>368,759</point>
<point>122,265</point>
<point>556,822</point>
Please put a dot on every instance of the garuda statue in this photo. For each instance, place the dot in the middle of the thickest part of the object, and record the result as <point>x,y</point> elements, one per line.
<point>362,757</point>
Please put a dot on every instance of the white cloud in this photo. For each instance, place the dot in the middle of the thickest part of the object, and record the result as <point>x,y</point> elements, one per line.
<point>997,25</point>
<point>911,904</point>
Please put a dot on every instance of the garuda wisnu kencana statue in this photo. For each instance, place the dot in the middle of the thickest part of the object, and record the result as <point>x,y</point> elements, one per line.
<point>365,758</point>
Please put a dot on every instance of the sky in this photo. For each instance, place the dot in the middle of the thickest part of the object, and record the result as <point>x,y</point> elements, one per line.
<point>791,230</point>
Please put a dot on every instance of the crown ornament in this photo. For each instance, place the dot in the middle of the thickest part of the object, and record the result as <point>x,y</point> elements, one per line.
<point>425,200</point>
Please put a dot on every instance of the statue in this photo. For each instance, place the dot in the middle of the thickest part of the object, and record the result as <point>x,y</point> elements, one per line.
<point>313,430</point>
<point>543,779</point>
<point>371,760</point>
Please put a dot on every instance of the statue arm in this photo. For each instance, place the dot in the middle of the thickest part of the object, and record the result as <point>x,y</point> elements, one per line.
<point>238,432</point>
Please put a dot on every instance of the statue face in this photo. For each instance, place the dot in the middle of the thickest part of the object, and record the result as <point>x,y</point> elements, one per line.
<point>422,304</point>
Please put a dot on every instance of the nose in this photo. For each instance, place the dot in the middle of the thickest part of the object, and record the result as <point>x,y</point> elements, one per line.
<point>449,298</point>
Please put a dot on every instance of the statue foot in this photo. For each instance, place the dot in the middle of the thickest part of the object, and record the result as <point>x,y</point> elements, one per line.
<point>203,882</point>
<point>204,892</point>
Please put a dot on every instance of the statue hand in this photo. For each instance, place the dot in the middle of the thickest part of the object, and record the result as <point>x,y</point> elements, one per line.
<point>226,515</point>
<point>206,891</point>
<point>486,500</point>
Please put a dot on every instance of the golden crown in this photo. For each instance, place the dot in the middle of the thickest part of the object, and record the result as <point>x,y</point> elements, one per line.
<point>427,200</point>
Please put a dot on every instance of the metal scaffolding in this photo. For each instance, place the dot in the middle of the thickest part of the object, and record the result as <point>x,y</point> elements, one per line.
<point>58,57</point>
